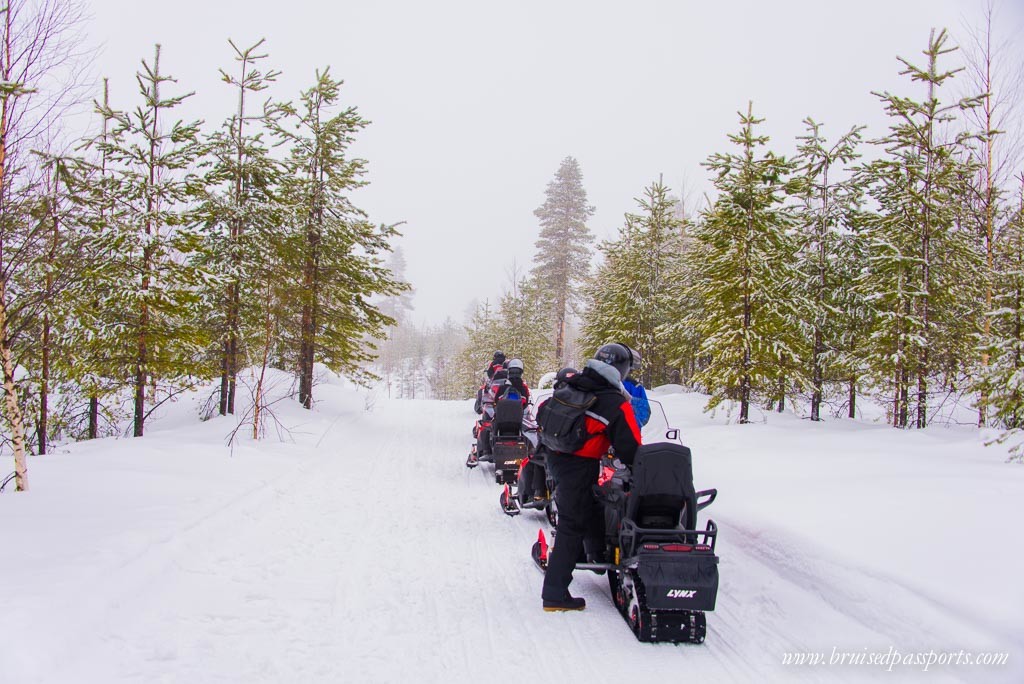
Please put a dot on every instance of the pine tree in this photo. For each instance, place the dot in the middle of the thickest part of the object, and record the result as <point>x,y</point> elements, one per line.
<point>743,270</point>
<point>629,298</point>
<point>241,215</point>
<point>563,248</point>
<point>523,312</point>
<point>152,307</point>
<point>483,332</point>
<point>822,221</point>
<point>1002,378</point>
<point>333,253</point>
<point>920,261</point>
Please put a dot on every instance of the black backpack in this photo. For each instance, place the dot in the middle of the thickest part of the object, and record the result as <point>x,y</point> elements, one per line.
<point>562,419</point>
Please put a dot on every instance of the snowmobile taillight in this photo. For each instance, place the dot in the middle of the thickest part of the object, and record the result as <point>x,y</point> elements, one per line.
<point>676,547</point>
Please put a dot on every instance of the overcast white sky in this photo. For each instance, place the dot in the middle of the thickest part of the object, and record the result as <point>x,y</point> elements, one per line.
<point>475,103</point>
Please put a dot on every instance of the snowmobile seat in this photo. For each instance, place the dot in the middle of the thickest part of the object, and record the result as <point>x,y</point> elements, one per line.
<point>662,494</point>
<point>508,419</point>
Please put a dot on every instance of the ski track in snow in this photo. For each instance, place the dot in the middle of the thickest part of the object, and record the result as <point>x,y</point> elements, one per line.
<point>384,559</point>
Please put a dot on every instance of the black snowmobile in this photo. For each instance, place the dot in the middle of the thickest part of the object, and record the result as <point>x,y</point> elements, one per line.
<point>662,570</point>
<point>509,445</point>
<point>532,485</point>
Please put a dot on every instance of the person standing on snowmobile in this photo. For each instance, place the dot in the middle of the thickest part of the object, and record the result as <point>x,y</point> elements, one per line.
<point>609,423</point>
<point>641,405</point>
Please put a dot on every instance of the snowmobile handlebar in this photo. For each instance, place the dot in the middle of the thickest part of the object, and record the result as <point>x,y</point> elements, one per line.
<point>711,494</point>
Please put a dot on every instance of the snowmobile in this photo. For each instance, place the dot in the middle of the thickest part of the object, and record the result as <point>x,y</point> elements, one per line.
<point>509,445</point>
<point>533,486</point>
<point>662,570</point>
<point>479,450</point>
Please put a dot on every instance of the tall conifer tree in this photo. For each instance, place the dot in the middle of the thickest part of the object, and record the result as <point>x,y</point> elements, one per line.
<point>241,213</point>
<point>152,304</point>
<point>333,254</point>
<point>563,249</point>
<point>921,260</point>
<point>629,298</point>
<point>743,270</point>
<point>827,201</point>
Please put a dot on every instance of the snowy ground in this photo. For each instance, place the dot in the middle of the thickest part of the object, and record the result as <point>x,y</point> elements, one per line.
<point>361,549</point>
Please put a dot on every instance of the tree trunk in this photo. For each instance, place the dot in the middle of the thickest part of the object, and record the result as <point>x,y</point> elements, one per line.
<point>140,374</point>
<point>13,409</point>
<point>853,398</point>
<point>816,377</point>
<point>747,319</point>
<point>44,386</point>
<point>223,404</point>
<point>94,417</point>
<point>560,332</point>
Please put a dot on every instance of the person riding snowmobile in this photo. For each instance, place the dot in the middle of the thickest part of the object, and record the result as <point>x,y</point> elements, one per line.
<point>515,382</point>
<point>497,363</point>
<point>641,405</point>
<point>609,423</point>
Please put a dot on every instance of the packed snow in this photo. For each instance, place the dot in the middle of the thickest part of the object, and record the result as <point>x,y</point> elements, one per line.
<point>352,544</point>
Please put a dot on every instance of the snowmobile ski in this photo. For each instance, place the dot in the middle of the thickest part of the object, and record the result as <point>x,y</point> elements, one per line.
<point>509,503</point>
<point>539,552</point>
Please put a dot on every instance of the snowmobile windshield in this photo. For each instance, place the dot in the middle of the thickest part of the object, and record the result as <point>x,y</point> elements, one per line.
<point>657,430</point>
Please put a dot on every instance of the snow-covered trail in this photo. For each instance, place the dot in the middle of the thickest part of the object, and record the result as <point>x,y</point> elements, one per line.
<point>382,558</point>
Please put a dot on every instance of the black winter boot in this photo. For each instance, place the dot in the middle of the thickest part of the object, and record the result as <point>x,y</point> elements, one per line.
<point>568,603</point>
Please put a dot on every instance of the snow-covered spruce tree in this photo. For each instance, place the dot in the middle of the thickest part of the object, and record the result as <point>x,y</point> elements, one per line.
<point>921,264</point>
<point>89,365</point>
<point>629,298</point>
<point>682,342</point>
<point>150,303</point>
<point>743,269</point>
<point>562,259</point>
<point>483,339</point>
<point>853,315</point>
<point>59,280</point>
<point>826,201</point>
<point>1003,377</point>
<point>241,216</point>
<point>522,331</point>
<point>332,254</point>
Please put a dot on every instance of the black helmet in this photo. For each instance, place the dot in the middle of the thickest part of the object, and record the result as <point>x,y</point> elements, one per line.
<point>635,357</point>
<point>563,376</point>
<point>499,356</point>
<point>617,356</point>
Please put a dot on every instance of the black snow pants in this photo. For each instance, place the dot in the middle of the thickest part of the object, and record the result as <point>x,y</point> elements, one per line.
<point>580,520</point>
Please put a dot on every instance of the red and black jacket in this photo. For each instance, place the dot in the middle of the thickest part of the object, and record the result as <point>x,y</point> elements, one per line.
<point>610,420</point>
